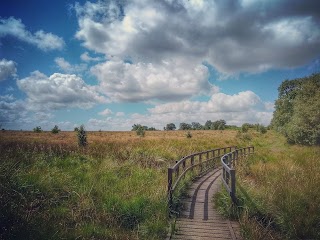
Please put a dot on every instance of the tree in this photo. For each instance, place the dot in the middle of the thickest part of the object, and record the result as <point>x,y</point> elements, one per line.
<point>196,126</point>
<point>245,127</point>
<point>55,129</point>
<point>141,131</point>
<point>297,110</point>
<point>207,125</point>
<point>37,129</point>
<point>170,127</point>
<point>218,125</point>
<point>82,136</point>
<point>185,126</point>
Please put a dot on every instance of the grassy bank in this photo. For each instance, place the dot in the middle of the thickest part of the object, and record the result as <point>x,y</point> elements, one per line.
<point>113,189</point>
<point>278,191</point>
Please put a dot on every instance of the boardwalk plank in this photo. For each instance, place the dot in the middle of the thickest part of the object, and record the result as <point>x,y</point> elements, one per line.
<point>199,220</point>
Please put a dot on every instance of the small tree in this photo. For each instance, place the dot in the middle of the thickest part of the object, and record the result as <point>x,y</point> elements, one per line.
<point>55,129</point>
<point>245,127</point>
<point>82,136</point>
<point>37,129</point>
<point>170,126</point>
<point>141,131</point>
<point>76,129</point>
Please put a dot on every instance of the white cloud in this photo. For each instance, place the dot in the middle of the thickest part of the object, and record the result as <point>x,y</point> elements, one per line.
<point>233,36</point>
<point>166,81</point>
<point>85,57</point>
<point>7,69</point>
<point>244,107</point>
<point>58,91</point>
<point>69,68</point>
<point>120,114</point>
<point>105,112</point>
<point>44,41</point>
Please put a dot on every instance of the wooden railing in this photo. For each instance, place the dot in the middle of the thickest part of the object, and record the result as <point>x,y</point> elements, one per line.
<point>203,160</point>
<point>229,162</point>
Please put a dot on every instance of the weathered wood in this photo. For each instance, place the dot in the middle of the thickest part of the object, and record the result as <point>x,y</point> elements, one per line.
<point>199,219</point>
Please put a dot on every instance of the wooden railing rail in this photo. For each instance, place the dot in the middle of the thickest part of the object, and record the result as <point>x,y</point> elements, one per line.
<point>229,161</point>
<point>205,161</point>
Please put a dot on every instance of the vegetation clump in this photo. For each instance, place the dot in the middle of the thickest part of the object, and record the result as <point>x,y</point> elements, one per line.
<point>55,129</point>
<point>82,136</point>
<point>297,114</point>
<point>37,129</point>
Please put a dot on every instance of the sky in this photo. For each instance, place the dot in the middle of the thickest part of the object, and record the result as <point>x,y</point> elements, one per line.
<point>111,64</point>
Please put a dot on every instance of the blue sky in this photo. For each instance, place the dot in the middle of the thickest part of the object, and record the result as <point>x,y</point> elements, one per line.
<point>111,64</point>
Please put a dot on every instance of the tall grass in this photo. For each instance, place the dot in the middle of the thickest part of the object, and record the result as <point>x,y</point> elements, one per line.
<point>115,188</point>
<point>278,190</point>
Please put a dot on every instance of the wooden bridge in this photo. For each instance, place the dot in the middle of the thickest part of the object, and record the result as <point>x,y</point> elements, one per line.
<point>198,218</point>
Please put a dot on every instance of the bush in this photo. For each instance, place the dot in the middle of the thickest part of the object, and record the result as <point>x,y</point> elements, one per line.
<point>140,131</point>
<point>188,134</point>
<point>245,127</point>
<point>55,129</point>
<point>82,136</point>
<point>37,129</point>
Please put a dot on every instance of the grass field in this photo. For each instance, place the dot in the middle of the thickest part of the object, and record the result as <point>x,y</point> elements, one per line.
<point>278,190</point>
<point>115,188</point>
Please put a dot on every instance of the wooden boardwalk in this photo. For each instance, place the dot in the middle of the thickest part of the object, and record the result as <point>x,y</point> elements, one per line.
<point>199,220</point>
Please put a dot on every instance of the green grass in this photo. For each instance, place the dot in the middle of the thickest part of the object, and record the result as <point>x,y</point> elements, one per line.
<point>278,191</point>
<point>115,188</point>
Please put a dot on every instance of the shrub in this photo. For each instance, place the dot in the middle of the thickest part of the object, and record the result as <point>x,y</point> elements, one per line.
<point>140,131</point>
<point>55,129</point>
<point>37,129</point>
<point>76,129</point>
<point>188,134</point>
<point>245,127</point>
<point>82,136</point>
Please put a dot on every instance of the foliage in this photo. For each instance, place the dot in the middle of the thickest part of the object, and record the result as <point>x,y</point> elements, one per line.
<point>82,136</point>
<point>185,126</point>
<point>55,129</point>
<point>218,125</point>
<point>136,127</point>
<point>245,127</point>
<point>37,129</point>
<point>196,126</point>
<point>297,114</point>
<point>76,129</point>
<point>140,131</point>
<point>170,127</point>
<point>188,134</point>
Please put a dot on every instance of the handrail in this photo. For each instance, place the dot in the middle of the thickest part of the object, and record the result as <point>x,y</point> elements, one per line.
<point>229,162</point>
<point>205,160</point>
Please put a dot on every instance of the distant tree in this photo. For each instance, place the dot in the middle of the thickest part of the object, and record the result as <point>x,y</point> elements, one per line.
<point>37,129</point>
<point>170,127</point>
<point>55,129</point>
<point>245,127</point>
<point>76,129</point>
<point>185,126</point>
<point>82,136</point>
<point>141,131</point>
<point>135,127</point>
<point>152,129</point>
<point>196,126</point>
<point>218,125</point>
<point>207,125</point>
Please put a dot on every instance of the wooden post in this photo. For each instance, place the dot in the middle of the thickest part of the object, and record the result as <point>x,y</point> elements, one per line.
<point>192,162</point>
<point>233,185</point>
<point>170,189</point>
<point>200,162</point>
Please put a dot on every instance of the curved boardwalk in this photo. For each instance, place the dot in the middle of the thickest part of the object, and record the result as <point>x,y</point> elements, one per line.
<point>199,220</point>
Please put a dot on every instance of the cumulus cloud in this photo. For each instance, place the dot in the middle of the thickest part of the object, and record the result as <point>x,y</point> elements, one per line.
<point>66,67</point>
<point>105,112</point>
<point>44,41</point>
<point>85,57</point>
<point>244,107</point>
<point>233,36</point>
<point>7,69</point>
<point>168,81</point>
<point>11,110</point>
<point>58,91</point>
